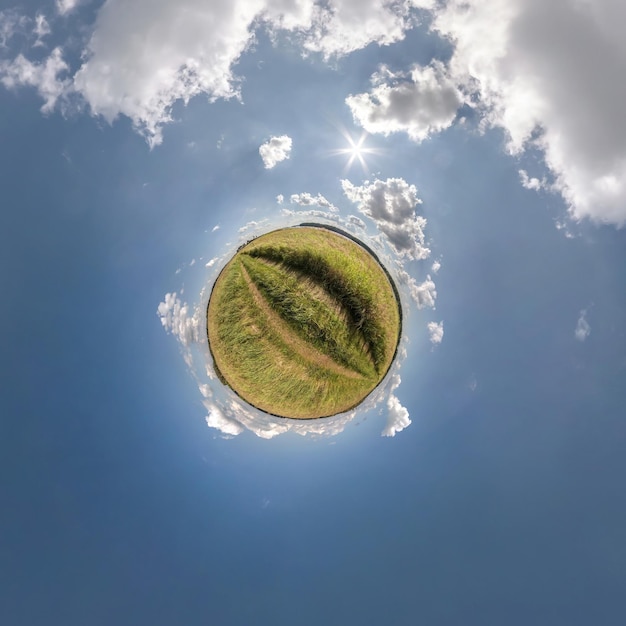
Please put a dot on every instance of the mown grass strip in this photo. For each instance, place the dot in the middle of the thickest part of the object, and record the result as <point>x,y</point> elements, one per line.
<point>265,367</point>
<point>283,329</point>
<point>311,319</point>
<point>357,303</point>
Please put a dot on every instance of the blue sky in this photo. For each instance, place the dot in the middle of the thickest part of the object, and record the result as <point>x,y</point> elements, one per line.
<point>493,187</point>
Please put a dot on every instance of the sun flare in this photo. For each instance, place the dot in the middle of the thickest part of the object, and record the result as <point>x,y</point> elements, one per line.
<point>356,150</point>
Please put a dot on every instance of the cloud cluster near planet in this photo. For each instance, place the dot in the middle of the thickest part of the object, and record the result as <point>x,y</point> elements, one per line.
<point>379,202</point>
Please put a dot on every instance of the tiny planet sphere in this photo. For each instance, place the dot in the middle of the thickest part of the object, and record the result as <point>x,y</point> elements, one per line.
<point>303,322</point>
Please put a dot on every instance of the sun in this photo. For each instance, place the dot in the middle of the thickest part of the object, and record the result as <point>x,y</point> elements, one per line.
<point>356,150</point>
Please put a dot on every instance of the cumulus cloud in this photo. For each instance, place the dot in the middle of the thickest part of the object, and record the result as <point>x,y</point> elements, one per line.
<point>144,56</point>
<point>519,63</point>
<point>179,319</point>
<point>550,75</point>
<point>435,332</point>
<point>532,182</point>
<point>436,266</point>
<point>582,326</point>
<point>216,419</point>
<point>391,205</point>
<point>420,103</point>
<point>424,294</point>
<point>397,415</point>
<point>339,27</point>
<point>274,151</point>
<point>306,199</point>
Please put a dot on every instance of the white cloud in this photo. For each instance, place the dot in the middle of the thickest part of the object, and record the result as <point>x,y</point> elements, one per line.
<point>532,183</point>
<point>391,205</point>
<point>66,6</point>
<point>11,23</point>
<point>342,26</point>
<point>420,103</point>
<point>216,419</point>
<point>582,326</point>
<point>356,221</point>
<point>251,225</point>
<point>397,415</point>
<point>551,75</point>
<point>306,199</point>
<point>274,151</point>
<point>42,28</point>
<point>435,332</point>
<point>436,266</point>
<point>179,319</point>
<point>423,294</point>
<point>145,55</point>
<point>46,77</point>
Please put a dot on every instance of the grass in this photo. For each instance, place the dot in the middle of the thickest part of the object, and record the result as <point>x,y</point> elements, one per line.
<point>303,323</point>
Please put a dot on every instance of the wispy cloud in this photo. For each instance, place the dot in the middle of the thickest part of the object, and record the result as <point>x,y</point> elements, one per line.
<point>42,29</point>
<point>12,23</point>
<point>583,329</point>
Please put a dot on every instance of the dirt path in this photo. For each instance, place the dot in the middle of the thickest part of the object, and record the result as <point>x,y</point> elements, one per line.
<point>301,347</point>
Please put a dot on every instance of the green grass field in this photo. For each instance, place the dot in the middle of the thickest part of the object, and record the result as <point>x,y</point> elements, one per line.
<point>303,323</point>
